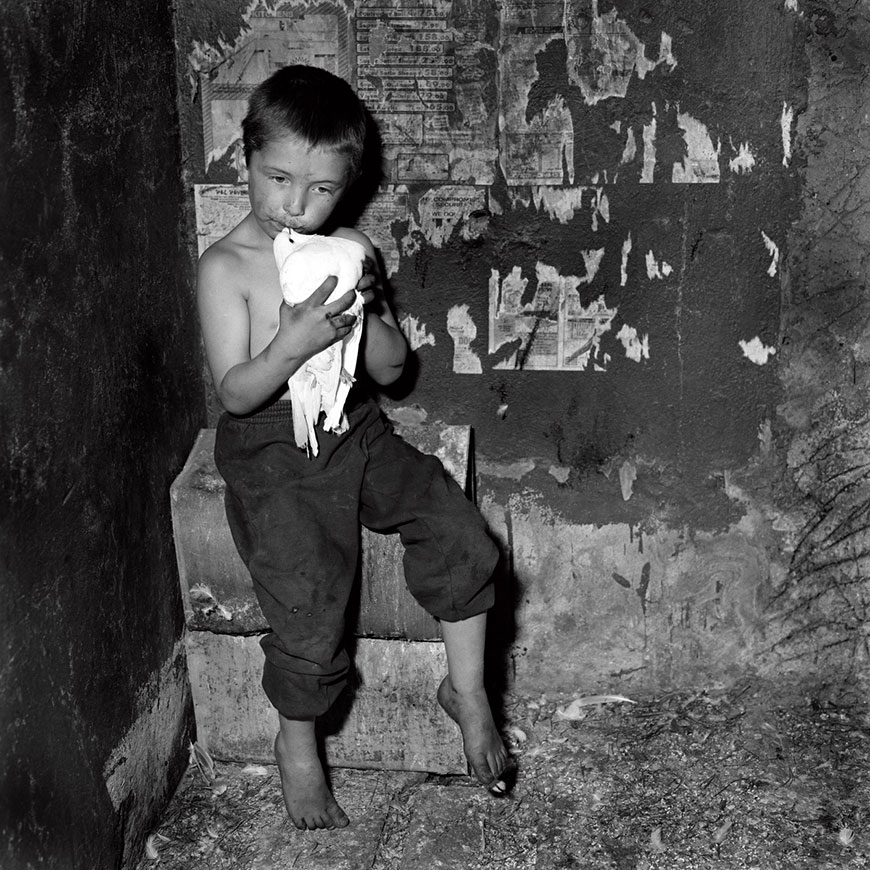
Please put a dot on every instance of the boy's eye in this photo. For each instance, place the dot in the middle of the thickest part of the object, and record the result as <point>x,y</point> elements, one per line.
<point>279,179</point>
<point>326,191</point>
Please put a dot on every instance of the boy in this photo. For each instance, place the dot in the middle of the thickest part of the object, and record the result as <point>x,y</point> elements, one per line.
<point>294,518</point>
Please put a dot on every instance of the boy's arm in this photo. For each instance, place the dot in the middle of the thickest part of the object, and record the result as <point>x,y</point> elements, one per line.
<point>384,348</point>
<point>243,383</point>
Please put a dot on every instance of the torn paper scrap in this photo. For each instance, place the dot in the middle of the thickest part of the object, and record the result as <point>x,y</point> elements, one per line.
<point>756,351</point>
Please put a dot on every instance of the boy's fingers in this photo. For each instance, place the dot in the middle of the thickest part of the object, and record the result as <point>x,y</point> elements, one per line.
<point>367,287</point>
<point>321,294</point>
<point>343,321</point>
<point>340,304</point>
<point>368,296</point>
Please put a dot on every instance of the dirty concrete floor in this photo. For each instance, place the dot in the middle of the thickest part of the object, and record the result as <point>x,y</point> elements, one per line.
<point>758,775</point>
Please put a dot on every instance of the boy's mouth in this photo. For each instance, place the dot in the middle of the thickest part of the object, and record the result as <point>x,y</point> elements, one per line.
<point>283,225</point>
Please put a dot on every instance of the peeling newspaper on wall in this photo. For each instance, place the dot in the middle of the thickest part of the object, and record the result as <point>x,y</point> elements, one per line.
<point>462,330</point>
<point>462,92</point>
<point>426,70</point>
<point>553,51</point>
<point>537,135</point>
<point>553,331</point>
<point>387,208</point>
<point>294,32</point>
<point>219,207</point>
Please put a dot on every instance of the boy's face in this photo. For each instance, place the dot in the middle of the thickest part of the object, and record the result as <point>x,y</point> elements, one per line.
<point>291,184</point>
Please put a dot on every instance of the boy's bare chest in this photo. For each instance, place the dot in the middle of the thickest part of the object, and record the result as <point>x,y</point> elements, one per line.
<point>264,297</point>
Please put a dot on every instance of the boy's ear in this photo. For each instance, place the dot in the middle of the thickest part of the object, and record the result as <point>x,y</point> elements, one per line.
<point>240,162</point>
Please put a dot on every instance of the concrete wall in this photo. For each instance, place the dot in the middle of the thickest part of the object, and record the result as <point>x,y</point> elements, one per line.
<point>102,397</point>
<point>601,226</point>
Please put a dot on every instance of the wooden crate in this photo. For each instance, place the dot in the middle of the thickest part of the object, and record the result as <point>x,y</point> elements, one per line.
<point>389,720</point>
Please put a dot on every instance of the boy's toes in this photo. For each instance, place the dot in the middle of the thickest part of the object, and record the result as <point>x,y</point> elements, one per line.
<point>327,820</point>
<point>332,816</point>
<point>299,822</point>
<point>499,783</point>
<point>337,816</point>
<point>504,781</point>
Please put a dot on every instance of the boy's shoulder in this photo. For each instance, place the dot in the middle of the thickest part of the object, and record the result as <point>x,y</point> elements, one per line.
<point>235,243</point>
<point>233,258</point>
<point>355,236</point>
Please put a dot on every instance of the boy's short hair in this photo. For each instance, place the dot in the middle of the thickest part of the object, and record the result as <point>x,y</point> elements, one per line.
<point>311,103</point>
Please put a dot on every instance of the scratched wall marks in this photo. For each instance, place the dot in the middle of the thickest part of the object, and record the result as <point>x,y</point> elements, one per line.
<point>824,363</point>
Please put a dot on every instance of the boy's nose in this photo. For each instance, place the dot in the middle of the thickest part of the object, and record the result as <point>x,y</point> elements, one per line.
<point>295,203</point>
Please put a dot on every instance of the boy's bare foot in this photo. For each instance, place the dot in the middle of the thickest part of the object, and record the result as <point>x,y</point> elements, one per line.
<point>309,802</point>
<point>484,748</point>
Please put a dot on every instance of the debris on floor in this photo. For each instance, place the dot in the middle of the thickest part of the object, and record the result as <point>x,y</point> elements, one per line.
<point>757,775</point>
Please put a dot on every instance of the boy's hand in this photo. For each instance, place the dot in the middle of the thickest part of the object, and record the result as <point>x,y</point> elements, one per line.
<point>313,325</point>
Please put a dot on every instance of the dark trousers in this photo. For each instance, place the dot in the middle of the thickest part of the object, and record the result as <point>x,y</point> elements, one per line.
<point>296,521</point>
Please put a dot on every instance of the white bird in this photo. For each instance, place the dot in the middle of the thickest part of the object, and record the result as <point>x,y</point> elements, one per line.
<point>323,382</point>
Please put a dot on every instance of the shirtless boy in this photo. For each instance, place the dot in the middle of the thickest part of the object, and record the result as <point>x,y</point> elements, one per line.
<point>295,518</point>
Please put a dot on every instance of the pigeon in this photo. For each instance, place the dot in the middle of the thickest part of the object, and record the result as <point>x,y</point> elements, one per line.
<point>322,383</point>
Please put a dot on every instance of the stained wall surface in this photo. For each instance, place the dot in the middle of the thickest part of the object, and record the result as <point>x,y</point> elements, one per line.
<point>102,398</point>
<point>597,221</point>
